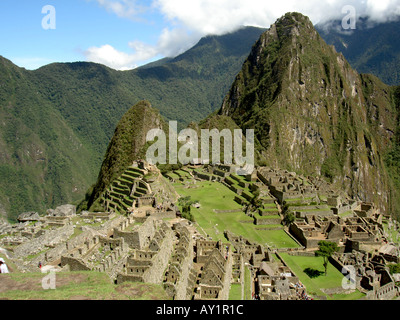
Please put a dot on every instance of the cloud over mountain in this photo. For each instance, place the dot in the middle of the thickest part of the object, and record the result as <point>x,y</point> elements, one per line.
<point>188,21</point>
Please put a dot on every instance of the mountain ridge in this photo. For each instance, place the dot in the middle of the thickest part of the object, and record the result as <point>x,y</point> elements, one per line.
<point>311,111</point>
<point>370,48</point>
<point>87,100</point>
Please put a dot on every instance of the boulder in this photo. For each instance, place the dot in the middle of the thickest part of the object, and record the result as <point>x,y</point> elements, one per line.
<point>28,216</point>
<point>66,210</point>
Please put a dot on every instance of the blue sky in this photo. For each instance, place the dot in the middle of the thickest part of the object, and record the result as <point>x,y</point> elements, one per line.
<point>124,34</point>
<point>80,24</point>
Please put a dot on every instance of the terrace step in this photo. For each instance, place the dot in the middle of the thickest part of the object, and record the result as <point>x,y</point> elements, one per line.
<point>136,170</point>
<point>133,174</point>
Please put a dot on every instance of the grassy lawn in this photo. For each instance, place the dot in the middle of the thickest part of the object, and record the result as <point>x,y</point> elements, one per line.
<point>393,234</point>
<point>333,279</point>
<point>346,214</point>
<point>352,296</point>
<point>212,195</point>
<point>247,284</point>
<point>183,173</point>
<point>236,292</point>
<point>173,175</point>
<point>271,206</point>
<point>76,286</point>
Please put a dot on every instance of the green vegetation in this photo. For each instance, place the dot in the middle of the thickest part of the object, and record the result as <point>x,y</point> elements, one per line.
<point>186,204</point>
<point>44,162</point>
<point>58,120</point>
<point>315,285</point>
<point>76,285</point>
<point>247,284</point>
<point>127,145</point>
<point>392,159</point>
<point>394,268</point>
<point>325,250</point>
<point>236,292</point>
<point>214,224</point>
<point>298,125</point>
<point>288,216</point>
<point>369,50</point>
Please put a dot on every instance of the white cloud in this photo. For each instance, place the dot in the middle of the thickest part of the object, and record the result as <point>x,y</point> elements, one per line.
<point>170,44</point>
<point>122,8</point>
<point>110,57</point>
<point>176,41</point>
<point>187,21</point>
<point>220,16</point>
<point>383,10</point>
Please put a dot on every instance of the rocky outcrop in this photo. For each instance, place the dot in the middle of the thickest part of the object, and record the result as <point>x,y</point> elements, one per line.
<point>67,210</point>
<point>28,216</point>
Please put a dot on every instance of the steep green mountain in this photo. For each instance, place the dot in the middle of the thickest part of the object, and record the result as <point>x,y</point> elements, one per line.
<point>312,113</point>
<point>392,158</point>
<point>43,162</point>
<point>127,145</point>
<point>370,48</point>
<point>57,121</point>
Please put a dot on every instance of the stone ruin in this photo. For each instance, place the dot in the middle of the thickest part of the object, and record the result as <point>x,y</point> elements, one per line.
<point>368,272</point>
<point>141,246</point>
<point>215,261</point>
<point>272,279</point>
<point>360,229</point>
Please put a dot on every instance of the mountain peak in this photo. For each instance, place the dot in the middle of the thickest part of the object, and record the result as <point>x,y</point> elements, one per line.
<point>127,145</point>
<point>309,109</point>
<point>291,22</point>
<point>280,55</point>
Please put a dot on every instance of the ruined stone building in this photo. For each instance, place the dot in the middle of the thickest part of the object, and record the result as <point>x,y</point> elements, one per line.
<point>150,255</point>
<point>356,230</point>
<point>180,277</point>
<point>215,260</point>
<point>368,272</point>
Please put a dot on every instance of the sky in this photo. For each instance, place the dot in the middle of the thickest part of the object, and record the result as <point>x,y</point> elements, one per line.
<point>125,34</point>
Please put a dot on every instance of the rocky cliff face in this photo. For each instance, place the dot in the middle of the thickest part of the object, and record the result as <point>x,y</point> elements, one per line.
<point>312,113</point>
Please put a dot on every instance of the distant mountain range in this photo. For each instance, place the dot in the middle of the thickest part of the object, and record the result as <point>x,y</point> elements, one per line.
<point>370,48</point>
<point>56,122</point>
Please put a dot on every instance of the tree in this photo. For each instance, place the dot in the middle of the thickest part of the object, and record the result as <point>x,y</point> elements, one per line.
<point>256,201</point>
<point>285,208</point>
<point>289,218</point>
<point>326,249</point>
<point>186,204</point>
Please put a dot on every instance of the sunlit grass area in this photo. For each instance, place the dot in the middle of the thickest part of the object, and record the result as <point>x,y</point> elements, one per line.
<point>333,279</point>
<point>215,196</point>
<point>88,285</point>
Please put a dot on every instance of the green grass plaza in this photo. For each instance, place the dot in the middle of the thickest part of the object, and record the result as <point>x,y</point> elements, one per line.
<point>214,196</point>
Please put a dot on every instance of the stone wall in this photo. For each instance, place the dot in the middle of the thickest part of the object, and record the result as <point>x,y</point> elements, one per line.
<point>50,238</point>
<point>140,236</point>
<point>386,292</point>
<point>149,265</point>
<point>181,265</point>
<point>264,221</point>
<point>53,255</point>
<point>155,274</point>
<point>75,264</point>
